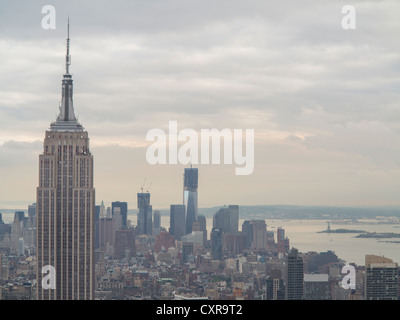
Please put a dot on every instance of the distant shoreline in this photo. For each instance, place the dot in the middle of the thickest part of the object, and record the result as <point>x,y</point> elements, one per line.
<point>347,215</point>
<point>379,235</point>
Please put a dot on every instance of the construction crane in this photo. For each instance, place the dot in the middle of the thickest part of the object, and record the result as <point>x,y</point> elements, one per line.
<point>142,186</point>
<point>148,188</point>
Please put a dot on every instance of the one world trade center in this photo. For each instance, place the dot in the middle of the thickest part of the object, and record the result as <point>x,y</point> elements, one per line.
<point>191,177</point>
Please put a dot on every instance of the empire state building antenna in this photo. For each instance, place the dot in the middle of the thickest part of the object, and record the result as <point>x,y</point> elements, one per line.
<point>68,56</point>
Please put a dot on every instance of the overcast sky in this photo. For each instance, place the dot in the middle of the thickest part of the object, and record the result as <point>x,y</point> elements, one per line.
<point>323,101</point>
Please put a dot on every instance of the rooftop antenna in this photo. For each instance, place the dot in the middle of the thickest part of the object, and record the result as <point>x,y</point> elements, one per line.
<point>68,56</point>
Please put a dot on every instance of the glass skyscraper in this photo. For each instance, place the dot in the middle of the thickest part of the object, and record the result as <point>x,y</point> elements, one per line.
<point>216,243</point>
<point>295,276</point>
<point>190,186</point>
<point>145,214</point>
<point>381,278</point>
<point>177,221</point>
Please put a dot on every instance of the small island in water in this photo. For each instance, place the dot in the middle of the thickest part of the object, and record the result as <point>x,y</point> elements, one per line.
<point>363,234</point>
<point>329,230</point>
<point>379,235</point>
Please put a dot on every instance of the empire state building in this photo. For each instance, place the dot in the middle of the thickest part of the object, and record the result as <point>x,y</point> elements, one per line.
<point>66,205</point>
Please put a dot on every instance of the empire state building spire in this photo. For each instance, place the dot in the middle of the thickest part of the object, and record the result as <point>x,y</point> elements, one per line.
<point>67,57</point>
<point>66,120</point>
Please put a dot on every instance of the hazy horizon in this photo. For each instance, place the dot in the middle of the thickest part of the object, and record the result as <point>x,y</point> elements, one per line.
<point>17,205</point>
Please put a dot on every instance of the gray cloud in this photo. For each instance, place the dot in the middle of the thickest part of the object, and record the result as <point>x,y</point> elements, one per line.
<point>312,91</point>
<point>14,153</point>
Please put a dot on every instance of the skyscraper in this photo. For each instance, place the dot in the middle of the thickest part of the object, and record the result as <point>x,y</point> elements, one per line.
<point>216,243</point>
<point>259,228</point>
<point>282,242</point>
<point>3,229</point>
<point>190,185</point>
<point>227,219</point>
<point>248,232</point>
<point>32,211</point>
<point>233,218</point>
<point>201,219</point>
<point>177,225</point>
<point>106,233</point>
<point>221,219</point>
<point>104,228</point>
<point>17,228</point>
<point>294,276</point>
<point>316,287</point>
<point>145,214</point>
<point>66,204</point>
<point>381,278</point>
<point>156,222</point>
<point>123,210</point>
<point>96,226</point>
